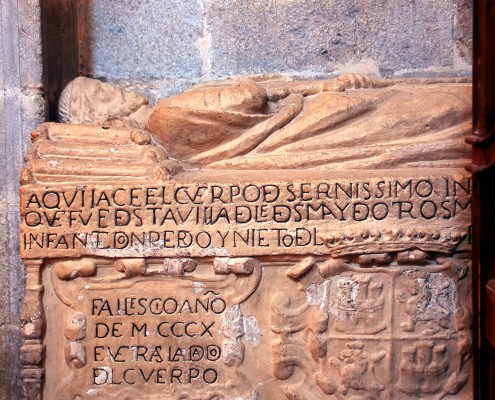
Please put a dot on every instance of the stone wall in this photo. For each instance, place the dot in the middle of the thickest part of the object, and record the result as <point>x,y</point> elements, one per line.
<point>162,47</point>
<point>21,110</point>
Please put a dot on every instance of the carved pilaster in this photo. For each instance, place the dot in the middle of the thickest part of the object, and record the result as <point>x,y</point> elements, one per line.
<point>32,331</point>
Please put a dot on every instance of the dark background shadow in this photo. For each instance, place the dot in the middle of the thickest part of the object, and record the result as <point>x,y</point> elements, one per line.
<point>65,44</point>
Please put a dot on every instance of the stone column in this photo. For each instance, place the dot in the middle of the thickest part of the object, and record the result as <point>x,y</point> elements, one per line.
<point>21,110</point>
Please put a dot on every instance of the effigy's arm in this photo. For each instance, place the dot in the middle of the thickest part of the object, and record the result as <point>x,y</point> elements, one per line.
<point>279,89</point>
<point>403,125</point>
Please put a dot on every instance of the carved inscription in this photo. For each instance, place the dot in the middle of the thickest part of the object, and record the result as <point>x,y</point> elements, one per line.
<point>155,330</point>
<point>156,340</point>
<point>248,218</point>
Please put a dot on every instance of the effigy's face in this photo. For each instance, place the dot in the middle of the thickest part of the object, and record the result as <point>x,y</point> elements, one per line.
<point>104,93</point>
<point>98,101</point>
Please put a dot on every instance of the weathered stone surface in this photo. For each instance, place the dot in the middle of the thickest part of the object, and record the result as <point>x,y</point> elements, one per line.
<point>190,218</point>
<point>10,341</point>
<point>156,89</point>
<point>352,330</point>
<point>21,110</point>
<point>312,39</point>
<point>393,35</point>
<point>20,45</point>
<point>11,277</point>
<point>28,26</point>
<point>325,37</point>
<point>117,48</point>
<point>326,235</point>
<point>464,29</point>
<point>160,66</point>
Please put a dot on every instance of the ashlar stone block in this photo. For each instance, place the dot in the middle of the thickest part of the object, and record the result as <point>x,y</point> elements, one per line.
<point>143,40</point>
<point>316,37</point>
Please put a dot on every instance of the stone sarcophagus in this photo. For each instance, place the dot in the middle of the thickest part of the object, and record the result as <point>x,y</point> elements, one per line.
<point>251,239</point>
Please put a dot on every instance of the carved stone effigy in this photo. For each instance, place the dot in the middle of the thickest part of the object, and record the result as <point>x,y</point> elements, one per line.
<point>257,239</point>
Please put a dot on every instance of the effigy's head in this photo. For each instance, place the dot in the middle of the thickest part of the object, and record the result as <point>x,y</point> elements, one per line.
<point>87,100</point>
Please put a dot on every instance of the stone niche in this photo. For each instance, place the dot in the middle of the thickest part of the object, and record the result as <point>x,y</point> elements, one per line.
<point>259,238</point>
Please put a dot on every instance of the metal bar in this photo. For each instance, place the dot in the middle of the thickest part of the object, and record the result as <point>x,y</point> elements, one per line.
<point>483,141</point>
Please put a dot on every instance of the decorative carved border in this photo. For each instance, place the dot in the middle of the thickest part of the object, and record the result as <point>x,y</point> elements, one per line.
<point>32,331</point>
<point>238,278</point>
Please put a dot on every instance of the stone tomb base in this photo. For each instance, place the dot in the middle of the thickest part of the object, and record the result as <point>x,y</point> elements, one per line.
<point>244,286</point>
